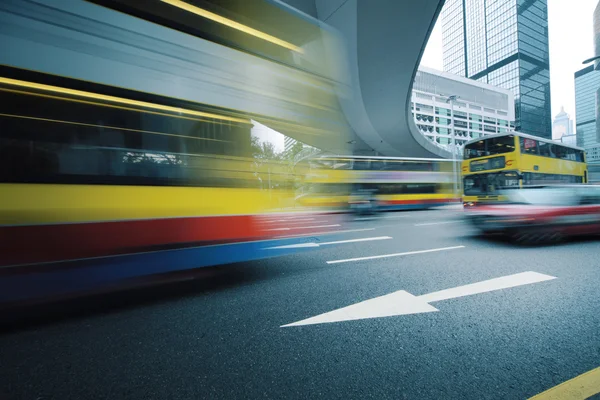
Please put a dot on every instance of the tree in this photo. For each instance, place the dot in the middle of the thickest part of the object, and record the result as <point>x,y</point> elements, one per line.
<point>263,150</point>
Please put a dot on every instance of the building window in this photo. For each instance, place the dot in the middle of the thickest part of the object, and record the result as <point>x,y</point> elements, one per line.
<point>442,111</point>
<point>460,114</point>
<point>423,107</point>
<point>460,124</point>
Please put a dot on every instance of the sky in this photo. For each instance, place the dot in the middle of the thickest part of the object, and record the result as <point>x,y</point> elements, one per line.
<point>266,134</point>
<point>570,31</point>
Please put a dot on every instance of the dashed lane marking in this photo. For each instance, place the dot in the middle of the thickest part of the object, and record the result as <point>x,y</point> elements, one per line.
<point>408,253</point>
<point>436,223</point>
<point>304,227</point>
<point>312,244</point>
<point>325,233</point>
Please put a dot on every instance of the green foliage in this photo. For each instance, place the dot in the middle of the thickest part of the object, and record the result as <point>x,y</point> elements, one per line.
<point>263,150</point>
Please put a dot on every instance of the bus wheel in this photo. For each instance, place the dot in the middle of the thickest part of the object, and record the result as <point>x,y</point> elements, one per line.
<point>519,237</point>
<point>525,237</point>
<point>556,237</point>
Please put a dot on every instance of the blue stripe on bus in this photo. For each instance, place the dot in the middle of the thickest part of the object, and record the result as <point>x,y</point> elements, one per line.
<point>97,273</point>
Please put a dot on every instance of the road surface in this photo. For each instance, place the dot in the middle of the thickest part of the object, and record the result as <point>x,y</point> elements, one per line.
<point>443,314</point>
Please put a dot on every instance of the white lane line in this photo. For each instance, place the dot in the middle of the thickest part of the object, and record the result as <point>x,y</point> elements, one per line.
<point>317,226</point>
<point>303,227</point>
<point>288,220</point>
<point>408,253</point>
<point>436,223</point>
<point>378,218</point>
<point>357,240</point>
<point>505,282</point>
<point>312,244</point>
<point>324,233</point>
<point>293,246</point>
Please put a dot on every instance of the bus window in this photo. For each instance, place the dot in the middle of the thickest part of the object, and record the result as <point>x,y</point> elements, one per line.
<point>559,152</point>
<point>533,178</point>
<point>528,146</point>
<point>571,154</point>
<point>500,145</point>
<point>545,149</point>
<point>474,150</point>
<point>481,184</point>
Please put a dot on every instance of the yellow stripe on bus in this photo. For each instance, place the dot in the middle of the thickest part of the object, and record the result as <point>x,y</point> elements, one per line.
<point>51,203</point>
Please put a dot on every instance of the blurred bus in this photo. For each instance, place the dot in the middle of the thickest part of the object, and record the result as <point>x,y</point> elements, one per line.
<point>102,184</point>
<point>394,183</point>
<point>513,160</point>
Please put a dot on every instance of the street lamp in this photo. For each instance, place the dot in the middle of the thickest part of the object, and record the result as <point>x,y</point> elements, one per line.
<point>589,60</point>
<point>451,99</point>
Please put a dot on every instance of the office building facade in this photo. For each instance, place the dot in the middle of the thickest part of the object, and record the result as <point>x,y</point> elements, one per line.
<point>503,43</point>
<point>479,109</point>
<point>587,83</point>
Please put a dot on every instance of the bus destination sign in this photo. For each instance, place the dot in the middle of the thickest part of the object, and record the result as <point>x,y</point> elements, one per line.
<point>487,164</point>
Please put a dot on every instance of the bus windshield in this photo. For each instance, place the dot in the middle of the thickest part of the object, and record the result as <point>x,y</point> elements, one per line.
<point>491,146</point>
<point>486,184</point>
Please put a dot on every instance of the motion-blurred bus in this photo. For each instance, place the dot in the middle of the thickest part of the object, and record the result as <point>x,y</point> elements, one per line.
<point>100,185</point>
<point>515,160</point>
<point>394,183</point>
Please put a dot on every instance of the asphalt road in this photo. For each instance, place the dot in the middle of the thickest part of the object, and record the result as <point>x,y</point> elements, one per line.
<point>220,336</point>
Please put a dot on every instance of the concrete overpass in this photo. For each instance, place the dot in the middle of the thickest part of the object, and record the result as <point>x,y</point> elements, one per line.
<point>346,88</point>
<point>384,40</point>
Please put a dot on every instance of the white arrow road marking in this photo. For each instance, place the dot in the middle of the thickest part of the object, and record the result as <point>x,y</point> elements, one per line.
<point>397,303</point>
<point>504,282</point>
<point>408,253</point>
<point>302,245</point>
<point>404,303</point>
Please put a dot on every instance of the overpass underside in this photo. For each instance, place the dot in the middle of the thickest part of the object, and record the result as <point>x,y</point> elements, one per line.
<point>384,41</point>
<point>333,74</point>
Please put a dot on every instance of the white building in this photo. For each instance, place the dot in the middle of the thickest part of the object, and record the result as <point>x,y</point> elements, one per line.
<point>479,109</point>
<point>592,154</point>
<point>562,125</point>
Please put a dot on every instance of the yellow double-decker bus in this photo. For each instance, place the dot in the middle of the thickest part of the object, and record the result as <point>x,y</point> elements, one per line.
<point>513,160</point>
<point>394,183</point>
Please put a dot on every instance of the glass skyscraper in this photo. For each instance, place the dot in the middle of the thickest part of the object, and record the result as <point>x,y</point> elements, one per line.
<point>503,43</point>
<point>587,82</point>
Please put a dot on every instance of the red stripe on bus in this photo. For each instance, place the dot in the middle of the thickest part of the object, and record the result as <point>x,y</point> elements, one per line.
<point>44,243</point>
